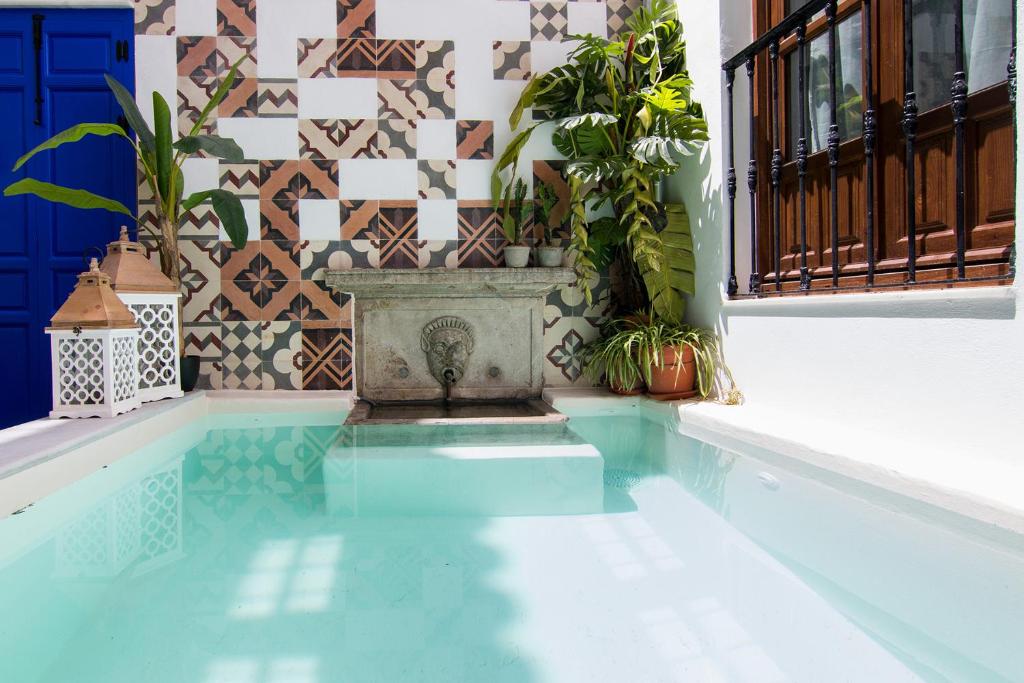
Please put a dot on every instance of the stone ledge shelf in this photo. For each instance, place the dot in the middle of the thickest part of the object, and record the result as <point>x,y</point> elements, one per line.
<point>499,310</point>
<point>443,282</point>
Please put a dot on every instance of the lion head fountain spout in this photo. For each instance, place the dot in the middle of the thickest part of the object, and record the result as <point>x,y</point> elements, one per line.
<point>448,343</point>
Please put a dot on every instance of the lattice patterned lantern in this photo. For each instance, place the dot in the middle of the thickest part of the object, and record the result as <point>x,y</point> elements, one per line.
<point>153,298</point>
<point>94,341</point>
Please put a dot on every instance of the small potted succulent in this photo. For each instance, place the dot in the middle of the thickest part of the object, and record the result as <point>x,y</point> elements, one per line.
<point>515,215</point>
<point>549,255</point>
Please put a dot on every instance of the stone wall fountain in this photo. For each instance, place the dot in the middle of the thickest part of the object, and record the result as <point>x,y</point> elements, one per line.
<point>461,337</point>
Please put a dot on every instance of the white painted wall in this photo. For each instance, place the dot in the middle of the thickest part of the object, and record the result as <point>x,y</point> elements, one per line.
<point>942,371</point>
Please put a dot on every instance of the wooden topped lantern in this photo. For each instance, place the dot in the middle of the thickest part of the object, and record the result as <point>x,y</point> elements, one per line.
<point>94,341</point>
<point>153,298</point>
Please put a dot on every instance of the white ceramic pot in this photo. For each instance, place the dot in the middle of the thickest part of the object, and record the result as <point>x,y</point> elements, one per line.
<point>516,256</point>
<point>550,257</point>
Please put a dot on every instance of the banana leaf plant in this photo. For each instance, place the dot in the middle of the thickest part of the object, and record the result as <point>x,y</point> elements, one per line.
<point>623,115</point>
<point>160,159</point>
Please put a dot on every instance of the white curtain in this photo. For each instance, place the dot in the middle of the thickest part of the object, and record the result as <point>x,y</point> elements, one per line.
<point>987,37</point>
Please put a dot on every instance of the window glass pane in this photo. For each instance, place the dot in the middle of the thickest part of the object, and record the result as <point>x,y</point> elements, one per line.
<point>987,27</point>
<point>849,86</point>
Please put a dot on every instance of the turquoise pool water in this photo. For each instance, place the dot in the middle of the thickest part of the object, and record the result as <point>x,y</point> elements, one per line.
<point>251,550</point>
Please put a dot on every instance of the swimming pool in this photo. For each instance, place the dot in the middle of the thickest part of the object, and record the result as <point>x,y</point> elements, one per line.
<point>287,549</point>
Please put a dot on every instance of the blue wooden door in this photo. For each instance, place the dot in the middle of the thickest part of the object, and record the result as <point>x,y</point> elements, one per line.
<point>52,64</point>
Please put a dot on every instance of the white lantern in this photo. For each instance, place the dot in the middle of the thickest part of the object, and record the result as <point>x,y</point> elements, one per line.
<point>94,341</point>
<point>153,298</point>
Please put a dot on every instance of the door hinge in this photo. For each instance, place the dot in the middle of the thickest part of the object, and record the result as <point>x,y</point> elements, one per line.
<point>121,50</point>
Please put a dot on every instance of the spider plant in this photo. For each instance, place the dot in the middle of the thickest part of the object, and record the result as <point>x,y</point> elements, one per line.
<point>624,114</point>
<point>160,159</point>
<point>616,356</point>
<point>631,347</point>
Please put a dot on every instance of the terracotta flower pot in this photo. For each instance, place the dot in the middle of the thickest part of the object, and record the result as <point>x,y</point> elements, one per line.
<point>677,377</point>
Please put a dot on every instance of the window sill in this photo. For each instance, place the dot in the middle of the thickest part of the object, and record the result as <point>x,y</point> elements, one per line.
<point>963,302</point>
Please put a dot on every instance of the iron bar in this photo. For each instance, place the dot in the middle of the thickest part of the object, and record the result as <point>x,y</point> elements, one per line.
<point>732,287</point>
<point>775,34</point>
<point>773,55</point>
<point>755,275</point>
<point>801,153</point>
<point>910,134</point>
<point>833,141</point>
<point>958,93</point>
<point>869,147</point>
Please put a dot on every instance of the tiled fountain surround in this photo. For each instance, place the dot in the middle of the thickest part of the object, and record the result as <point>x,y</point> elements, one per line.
<point>369,128</point>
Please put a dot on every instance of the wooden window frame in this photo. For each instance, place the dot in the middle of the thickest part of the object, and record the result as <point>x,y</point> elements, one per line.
<point>989,172</point>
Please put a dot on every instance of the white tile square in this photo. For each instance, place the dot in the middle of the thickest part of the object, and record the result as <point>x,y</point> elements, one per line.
<point>437,219</point>
<point>263,138</point>
<point>195,17</point>
<point>473,178</point>
<point>251,207</point>
<point>280,24</point>
<point>545,55</point>
<point>435,139</point>
<point>338,98</point>
<point>587,17</point>
<point>319,219</point>
<point>156,68</point>
<point>378,179</point>
<point>200,174</point>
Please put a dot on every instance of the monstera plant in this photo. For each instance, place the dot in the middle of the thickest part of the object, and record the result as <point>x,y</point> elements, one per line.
<point>623,116</point>
<point>160,159</point>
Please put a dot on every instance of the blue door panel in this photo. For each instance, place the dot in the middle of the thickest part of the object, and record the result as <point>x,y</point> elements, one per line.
<point>41,244</point>
<point>14,290</point>
<point>79,54</point>
<point>11,53</point>
<point>14,234</point>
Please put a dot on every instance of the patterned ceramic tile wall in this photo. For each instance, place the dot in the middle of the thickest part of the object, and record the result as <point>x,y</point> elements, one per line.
<point>370,129</point>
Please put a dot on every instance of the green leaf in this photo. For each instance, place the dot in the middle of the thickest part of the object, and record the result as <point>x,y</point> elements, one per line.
<point>509,158</point>
<point>73,134</point>
<point>79,199</point>
<point>590,119</point>
<point>222,148</point>
<point>228,208</point>
<point>667,264</point>
<point>526,99</point>
<point>164,151</point>
<point>131,112</point>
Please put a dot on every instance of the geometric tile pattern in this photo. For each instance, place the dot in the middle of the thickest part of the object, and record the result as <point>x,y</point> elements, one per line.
<point>619,12</point>
<point>474,139</point>
<point>548,20</point>
<point>511,60</point>
<point>240,355</point>
<point>321,95</point>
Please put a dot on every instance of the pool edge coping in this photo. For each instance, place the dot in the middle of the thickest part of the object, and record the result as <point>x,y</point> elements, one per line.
<point>90,444</point>
<point>716,424</point>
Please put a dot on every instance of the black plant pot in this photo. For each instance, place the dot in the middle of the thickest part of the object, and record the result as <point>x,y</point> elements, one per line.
<point>189,372</point>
